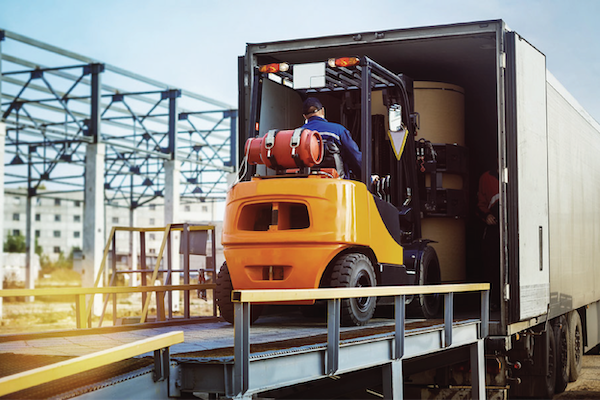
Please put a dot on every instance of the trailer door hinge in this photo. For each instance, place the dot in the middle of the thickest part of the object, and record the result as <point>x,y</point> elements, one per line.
<point>505,175</point>
<point>502,60</point>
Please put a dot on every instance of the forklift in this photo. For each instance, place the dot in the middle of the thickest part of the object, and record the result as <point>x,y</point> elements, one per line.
<point>291,223</point>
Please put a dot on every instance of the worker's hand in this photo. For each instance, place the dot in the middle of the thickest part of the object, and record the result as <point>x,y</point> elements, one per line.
<point>491,220</point>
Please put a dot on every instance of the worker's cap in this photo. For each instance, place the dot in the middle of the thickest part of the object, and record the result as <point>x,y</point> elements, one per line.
<point>311,105</point>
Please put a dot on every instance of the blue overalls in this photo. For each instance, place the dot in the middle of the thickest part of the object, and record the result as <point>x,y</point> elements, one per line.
<point>340,136</point>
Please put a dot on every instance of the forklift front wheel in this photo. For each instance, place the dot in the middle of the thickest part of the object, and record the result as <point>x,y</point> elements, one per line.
<point>422,305</point>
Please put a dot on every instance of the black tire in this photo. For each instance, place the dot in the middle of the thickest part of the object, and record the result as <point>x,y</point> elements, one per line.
<point>550,378</point>
<point>561,338</point>
<point>575,345</point>
<point>354,270</point>
<point>427,306</point>
<point>223,297</point>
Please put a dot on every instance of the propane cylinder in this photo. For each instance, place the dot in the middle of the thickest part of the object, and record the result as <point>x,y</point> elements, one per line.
<point>286,149</point>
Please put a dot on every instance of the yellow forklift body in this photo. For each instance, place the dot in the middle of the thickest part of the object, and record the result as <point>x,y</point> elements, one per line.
<point>282,232</point>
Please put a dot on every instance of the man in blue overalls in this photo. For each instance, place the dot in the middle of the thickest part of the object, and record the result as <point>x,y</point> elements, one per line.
<point>341,152</point>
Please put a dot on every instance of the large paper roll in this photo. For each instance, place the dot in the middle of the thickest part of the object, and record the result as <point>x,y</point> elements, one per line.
<point>441,109</point>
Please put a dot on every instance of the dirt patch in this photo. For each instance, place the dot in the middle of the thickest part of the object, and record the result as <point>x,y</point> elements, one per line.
<point>588,384</point>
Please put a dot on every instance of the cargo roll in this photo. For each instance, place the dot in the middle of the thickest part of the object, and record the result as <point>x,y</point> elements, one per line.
<point>441,109</point>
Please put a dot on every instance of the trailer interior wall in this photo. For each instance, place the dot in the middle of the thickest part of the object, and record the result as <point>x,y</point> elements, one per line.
<point>574,186</point>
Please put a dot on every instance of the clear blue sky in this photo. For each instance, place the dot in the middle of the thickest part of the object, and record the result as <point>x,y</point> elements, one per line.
<point>194,44</point>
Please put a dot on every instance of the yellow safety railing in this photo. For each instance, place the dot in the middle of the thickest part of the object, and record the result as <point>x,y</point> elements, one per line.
<point>276,295</point>
<point>242,300</point>
<point>80,295</point>
<point>49,373</point>
<point>164,244</point>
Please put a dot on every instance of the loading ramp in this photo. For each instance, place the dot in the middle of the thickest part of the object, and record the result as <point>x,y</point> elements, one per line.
<point>286,351</point>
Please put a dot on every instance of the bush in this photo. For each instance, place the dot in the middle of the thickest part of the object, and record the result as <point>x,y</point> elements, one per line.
<point>62,262</point>
<point>15,244</point>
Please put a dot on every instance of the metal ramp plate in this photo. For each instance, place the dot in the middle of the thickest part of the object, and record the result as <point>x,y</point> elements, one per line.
<point>74,385</point>
<point>283,363</point>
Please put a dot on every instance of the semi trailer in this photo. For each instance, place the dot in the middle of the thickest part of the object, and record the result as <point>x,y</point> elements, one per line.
<point>431,110</point>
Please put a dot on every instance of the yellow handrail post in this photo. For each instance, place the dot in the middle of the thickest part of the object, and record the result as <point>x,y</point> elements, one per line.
<point>155,272</point>
<point>80,309</point>
<point>100,270</point>
<point>160,306</point>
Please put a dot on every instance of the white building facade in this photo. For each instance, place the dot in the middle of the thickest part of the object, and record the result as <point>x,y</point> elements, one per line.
<point>58,221</point>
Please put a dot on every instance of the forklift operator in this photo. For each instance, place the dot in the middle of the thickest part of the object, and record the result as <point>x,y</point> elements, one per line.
<point>341,152</point>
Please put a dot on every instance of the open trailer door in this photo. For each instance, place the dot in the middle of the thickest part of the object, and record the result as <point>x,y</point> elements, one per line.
<point>527,195</point>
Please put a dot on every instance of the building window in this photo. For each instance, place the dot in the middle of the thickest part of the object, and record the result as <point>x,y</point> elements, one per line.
<point>187,208</point>
<point>16,232</point>
<point>152,207</point>
<point>57,218</point>
<point>152,221</point>
<point>16,216</point>
<point>56,249</point>
<point>152,251</point>
<point>152,236</point>
<point>38,217</point>
<point>56,234</point>
<point>76,218</point>
<point>204,208</point>
<point>115,220</point>
<point>77,203</point>
<point>17,200</point>
<point>38,233</point>
<point>57,202</point>
<point>76,234</point>
<point>38,201</point>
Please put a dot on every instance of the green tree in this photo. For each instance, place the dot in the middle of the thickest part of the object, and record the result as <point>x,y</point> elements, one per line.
<point>14,244</point>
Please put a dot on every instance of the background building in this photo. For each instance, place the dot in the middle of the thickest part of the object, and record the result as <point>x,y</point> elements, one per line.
<point>58,222</point>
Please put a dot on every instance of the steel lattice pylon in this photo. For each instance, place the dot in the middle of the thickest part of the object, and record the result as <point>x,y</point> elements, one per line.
<point>53,112</point>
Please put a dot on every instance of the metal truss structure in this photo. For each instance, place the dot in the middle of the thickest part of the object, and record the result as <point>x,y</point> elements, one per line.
<point>55,102</point>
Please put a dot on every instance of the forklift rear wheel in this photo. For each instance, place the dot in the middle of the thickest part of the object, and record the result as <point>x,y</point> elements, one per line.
<point>355,270</point>
<point>427,306</point>
<point>223,297</point>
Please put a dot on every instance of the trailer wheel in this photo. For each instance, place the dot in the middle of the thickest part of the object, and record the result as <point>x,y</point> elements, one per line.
<point>354,270</point>
<point>561,338</point>
<point>575,345</point>
<point>550,378</point>
<point>223,297</point>
<point>427,306</point>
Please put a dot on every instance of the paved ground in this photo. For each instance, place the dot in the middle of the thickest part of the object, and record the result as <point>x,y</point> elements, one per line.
<point>588,384</point>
